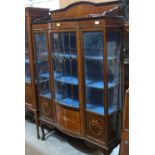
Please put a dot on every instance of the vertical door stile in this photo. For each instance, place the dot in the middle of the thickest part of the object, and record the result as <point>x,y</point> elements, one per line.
<point>31,58</point>
<point>122,72</point>
<point>70,65</point>
<point>81,79</point>
<point>105,83</point>
<point>51,73</point>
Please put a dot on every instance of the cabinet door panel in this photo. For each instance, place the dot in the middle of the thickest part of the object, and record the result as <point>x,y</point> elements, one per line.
<point>42,66</point>
<point>46,108</point>
<point>93,58</point>
<point>65,68</point>
<point>95,127</point>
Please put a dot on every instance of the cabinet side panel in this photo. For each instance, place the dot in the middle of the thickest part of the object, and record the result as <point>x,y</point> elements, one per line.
<point>28,95</point>
<point>114,124</point>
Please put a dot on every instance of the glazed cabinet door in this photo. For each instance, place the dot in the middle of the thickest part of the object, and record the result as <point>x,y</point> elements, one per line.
<point>42,74</point>
<point>64,54</point>
<point>94,71</point>
<point>93,53</point>
<point>102,69</point>
<point>95,64</point>
<point>114,70</point>
<point>115,87</point>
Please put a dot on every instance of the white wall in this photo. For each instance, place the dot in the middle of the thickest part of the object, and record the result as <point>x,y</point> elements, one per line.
<point>64,3</point>
<point>51,4</point>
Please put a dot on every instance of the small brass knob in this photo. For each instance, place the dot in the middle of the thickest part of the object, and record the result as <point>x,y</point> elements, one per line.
<point>57,24</point>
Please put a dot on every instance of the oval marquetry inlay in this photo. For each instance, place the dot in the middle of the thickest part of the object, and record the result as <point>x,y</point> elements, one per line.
<point>46,108</point>
<point>96,127</point>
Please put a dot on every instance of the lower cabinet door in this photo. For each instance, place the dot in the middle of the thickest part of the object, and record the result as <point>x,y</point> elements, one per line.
<point>68,119</point>
<point>46,110</point>
<point>95,127</point>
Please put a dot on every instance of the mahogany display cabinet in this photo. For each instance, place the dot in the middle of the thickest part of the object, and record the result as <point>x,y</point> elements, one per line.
<point>30,84</point>
<point>79,72</point>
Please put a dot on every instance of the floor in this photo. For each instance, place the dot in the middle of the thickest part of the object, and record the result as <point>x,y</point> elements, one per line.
<point>56,143</point>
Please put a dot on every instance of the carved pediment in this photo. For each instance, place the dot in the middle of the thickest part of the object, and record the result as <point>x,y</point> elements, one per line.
<point>83,9</point>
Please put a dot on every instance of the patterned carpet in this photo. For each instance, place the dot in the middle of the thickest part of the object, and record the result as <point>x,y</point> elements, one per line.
<point>56,144</point>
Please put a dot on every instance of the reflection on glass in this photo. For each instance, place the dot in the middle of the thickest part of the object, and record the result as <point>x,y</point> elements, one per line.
<point>27,71</point>
<point>113,50</point>
<point>41,46</point>
<point>65,68</point>
<point>94,85</point>
<point>27,63</point>
<point>42,70</point>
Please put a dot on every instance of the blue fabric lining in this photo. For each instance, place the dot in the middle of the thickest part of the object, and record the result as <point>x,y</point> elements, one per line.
<point>45,75</point>
<point>97,109</point>
<point>27,79</point>
<point>94,57</point>
<point>67,56</point>
<point>27,61</point>
<point>89,83</point>
<point>68,80</point>
<point>99,84</point>
<point>47,94</point>
<point>69,102</point>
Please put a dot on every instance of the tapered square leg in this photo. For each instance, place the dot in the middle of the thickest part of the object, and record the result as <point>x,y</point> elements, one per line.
<point>43,133</point>
<point>37,125</point>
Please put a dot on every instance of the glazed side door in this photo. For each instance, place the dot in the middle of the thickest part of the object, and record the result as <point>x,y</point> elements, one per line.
<point>43,75</point>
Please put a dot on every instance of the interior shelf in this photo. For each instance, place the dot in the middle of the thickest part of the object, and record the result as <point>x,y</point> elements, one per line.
<point>67,101</point>
<point>89,83</point>
<point>42,80</point>
<point>27,61</point>
<point>41,59</point>
<point>44,75</point>
<point>99,84</point>
<point>68,80</point>
<point>46,94</point>
<point>43,54</point>
<point>112,57</point>
<point>98,109</point>
<point>94,57</point>
<point>27,79</point>
<point>100,57</point>
<point>56,75</point>
<point>95,109</point>
<point>65,55</point>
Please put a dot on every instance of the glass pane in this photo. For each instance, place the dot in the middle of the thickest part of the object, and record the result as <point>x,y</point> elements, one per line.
<point>65,68</point>
<point>93,56</point>
<point>113,57</point>
<point>27,71</point>
<point>41,45</point>
<point>42,68</point>
<point>27,62</point>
